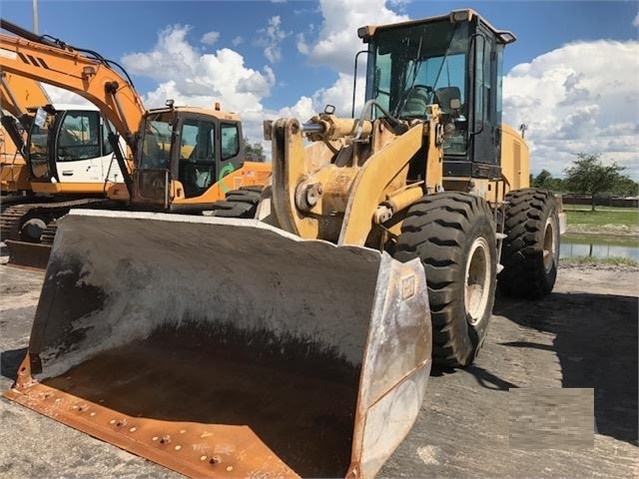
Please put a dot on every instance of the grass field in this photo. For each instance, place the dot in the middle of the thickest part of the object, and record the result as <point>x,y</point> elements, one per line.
<point>580,218</point>
<point>609,261</point>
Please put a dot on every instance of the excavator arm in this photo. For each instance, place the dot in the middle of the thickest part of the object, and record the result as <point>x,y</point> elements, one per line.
<point>18,93</point>
<point>80,71</point>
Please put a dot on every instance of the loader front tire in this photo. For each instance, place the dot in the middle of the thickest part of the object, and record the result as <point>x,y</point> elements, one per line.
<point>240,203</point>
<point>453,234</point>
<point>530,252</point>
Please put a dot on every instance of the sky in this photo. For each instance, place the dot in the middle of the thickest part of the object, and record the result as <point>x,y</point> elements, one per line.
<point>572,76</point>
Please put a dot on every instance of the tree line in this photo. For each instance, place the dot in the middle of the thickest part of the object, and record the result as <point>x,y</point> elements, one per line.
<point>588,175</point>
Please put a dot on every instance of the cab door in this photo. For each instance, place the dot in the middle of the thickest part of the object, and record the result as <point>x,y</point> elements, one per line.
<point>197,155</point>
<point>110,169</point>
<point>486,135</point>
<point>78,149</point>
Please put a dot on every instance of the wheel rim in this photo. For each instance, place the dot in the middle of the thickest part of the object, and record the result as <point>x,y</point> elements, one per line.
<point>32,229</point>
<point>550,245</point>
<point>477,283</point>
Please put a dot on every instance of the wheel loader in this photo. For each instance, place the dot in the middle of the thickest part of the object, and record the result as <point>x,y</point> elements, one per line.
<point>299,343</point>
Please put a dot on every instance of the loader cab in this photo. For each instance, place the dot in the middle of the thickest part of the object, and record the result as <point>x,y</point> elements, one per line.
<point>68,150</point>
<point>454,61</point>
<point>183,153</point>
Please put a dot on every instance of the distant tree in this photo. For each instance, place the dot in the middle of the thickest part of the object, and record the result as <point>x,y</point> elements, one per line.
<point>588,175</point>
<point>543,179</point>
<point>546,181</point>
<point>558,184</point>
<point>253,151</point>
<point>626,186</point>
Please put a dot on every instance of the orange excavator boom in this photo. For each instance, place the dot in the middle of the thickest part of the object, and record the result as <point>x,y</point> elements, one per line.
<point>83,72</point>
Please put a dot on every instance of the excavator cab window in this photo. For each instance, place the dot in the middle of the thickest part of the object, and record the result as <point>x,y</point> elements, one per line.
<point>230,140</point>
<point>155,142</point>
<point>79,136</point>
<point>196,169</point>
<point>39,144</point>
<point>107,149</point>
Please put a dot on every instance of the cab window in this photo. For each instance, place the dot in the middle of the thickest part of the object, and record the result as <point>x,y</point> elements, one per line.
<point>230,140</point>
<point>79,137</point>
<point>197,156</point>
<point>107,149</point>
<point>198,141</point>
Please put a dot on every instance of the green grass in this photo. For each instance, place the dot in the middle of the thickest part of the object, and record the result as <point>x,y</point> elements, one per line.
<point>599,208</point>
<point>609,261</point>
<point>603,218</point>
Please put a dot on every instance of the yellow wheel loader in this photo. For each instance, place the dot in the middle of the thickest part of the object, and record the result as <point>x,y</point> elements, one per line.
<point>300,343</point>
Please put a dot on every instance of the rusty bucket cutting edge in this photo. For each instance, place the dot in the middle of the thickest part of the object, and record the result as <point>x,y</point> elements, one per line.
<point>228,348</point>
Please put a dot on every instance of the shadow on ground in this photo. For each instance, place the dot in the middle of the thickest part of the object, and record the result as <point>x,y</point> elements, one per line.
<point>10,361</point>
<point>595,350</point>
<point>482,376</point>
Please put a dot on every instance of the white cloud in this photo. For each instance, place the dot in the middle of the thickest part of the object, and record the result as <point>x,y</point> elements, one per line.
<point>635,22</point>
<point>190,77</point>
<point>193,78</point>
<point>337,40</point>
<point>60,96</point>
<point>209,38</point>
<point>271,39</point>
<point>340,95</point>
<point>302,46</point>
<point>237,41</point>
<point>336,45</point>
<point>303,109</point>
<point>582,97</point>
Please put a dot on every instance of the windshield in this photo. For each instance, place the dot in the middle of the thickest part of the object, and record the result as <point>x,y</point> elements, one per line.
<point>39,144</point>
<point>420,65</point>
<point>156,141</point>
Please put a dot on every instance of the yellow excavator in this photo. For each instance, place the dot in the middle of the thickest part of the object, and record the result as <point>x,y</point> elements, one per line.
<point>17,94</point>
<point>185,160</point>
<point>300,343</point>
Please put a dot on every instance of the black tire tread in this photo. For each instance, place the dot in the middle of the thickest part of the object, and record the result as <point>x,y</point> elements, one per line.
<point>240,203</point>
<point>434,230</point>
<point>523,275</point>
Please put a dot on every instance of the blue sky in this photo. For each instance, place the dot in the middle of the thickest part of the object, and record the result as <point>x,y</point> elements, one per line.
<point>288,57</point>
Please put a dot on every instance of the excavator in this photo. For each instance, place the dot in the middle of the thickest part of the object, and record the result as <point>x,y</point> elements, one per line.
<point>19,97</point>
<point>185,160</point>
<point>299,343</point>
<point>17,94</point>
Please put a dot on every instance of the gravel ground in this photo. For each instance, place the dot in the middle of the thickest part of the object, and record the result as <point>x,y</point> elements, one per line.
<point>583,336</point>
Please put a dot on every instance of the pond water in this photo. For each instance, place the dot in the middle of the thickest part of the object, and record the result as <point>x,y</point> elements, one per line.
<point>599,246</point>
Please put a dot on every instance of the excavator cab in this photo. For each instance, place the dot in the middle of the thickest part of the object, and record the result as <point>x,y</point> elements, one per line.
<point>67,146</point>
<point>182,154</point>
<point>454,61</point>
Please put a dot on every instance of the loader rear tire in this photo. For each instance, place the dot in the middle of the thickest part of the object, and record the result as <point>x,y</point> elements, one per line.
<point>530,252</point>
<point>240,203</point>
<point>453,234</point>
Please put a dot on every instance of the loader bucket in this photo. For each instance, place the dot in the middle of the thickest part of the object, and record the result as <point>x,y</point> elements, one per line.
<point>228,348</point>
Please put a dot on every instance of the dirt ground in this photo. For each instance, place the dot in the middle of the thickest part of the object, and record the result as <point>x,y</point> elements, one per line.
<point>583,336</point>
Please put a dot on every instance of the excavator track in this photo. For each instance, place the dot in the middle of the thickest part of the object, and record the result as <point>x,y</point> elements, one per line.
<point>31,253</point>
